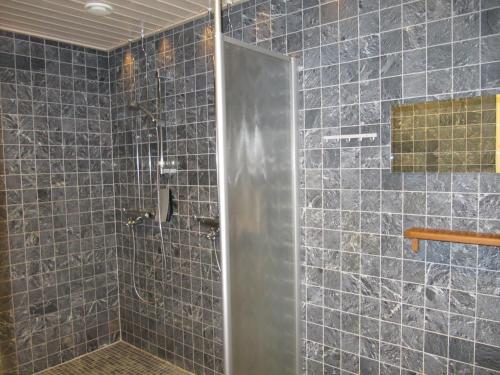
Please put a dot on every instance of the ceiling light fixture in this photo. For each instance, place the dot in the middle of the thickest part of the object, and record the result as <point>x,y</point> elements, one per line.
<point>98,8</point>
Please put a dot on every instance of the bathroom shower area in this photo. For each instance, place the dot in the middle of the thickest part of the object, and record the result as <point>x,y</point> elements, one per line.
<point>172,300</point>
<point>272,187</point>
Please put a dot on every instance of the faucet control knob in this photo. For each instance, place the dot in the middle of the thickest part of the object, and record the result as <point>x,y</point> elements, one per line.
<point>212,235</point>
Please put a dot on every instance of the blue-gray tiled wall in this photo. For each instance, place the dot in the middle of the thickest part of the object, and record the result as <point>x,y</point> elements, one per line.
<point>370,305</point>
<point>57,205</point>
<point>183,323</point>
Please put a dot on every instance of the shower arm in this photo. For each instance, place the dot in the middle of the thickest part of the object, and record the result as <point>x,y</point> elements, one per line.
<point>137,106</point>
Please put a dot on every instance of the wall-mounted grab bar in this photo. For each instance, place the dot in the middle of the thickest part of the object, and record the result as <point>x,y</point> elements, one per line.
<point>477,238</point>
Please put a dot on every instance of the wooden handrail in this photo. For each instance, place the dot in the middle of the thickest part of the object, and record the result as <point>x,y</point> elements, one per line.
<point>417,234</point>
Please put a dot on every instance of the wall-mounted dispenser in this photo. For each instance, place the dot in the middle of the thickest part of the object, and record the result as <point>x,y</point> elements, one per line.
<point>166,205</point>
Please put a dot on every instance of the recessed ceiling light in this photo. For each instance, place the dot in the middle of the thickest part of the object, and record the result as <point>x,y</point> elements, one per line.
<point>98,8</point>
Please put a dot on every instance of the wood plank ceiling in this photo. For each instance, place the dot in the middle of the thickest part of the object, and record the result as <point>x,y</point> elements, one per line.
<point>68,21</point>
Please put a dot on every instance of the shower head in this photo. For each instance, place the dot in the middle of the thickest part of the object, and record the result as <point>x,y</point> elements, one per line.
<point>135,106</point>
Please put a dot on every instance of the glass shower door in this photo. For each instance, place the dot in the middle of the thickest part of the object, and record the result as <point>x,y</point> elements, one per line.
<point>259,212</point>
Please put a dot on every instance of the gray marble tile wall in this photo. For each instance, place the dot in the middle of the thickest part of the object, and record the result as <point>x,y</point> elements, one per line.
<point>370,305</point>
<point>184,319</point>
<point>57,204</point>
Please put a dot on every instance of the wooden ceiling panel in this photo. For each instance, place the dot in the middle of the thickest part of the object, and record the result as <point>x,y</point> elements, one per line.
<point>68,21</point>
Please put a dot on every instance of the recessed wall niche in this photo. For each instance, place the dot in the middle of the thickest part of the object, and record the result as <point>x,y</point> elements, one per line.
<point>457,135</point>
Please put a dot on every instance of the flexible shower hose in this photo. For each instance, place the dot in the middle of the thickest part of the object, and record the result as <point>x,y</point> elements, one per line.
<point>212,239</point>
<point>163,255</point>
<point>134,255</point>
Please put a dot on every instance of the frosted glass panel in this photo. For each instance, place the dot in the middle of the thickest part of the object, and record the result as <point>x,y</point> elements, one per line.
<point>261,209</point>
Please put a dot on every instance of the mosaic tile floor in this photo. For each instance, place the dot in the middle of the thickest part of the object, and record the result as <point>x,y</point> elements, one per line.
<point>116,359</point>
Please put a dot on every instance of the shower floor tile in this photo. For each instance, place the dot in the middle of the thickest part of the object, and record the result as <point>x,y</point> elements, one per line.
<point>116,359</point>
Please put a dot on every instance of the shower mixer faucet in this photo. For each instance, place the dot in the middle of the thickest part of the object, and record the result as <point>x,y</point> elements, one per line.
<point>212,223</point>
<point>132,222</point>
<point>135,217</point>
<point>212,234</point>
